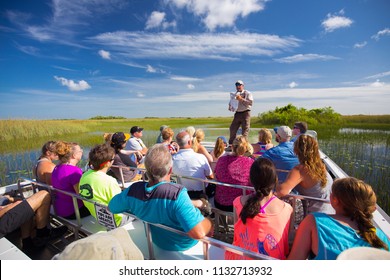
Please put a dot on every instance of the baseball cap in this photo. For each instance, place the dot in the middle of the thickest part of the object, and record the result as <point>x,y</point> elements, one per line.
<point>120,137</point>
<point>223,138</point>
<point>135,129</point>
<point>239,82</point>
<point>284,131</point>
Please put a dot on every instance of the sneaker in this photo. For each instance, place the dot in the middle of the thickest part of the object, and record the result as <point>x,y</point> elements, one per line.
<point>40,241</point>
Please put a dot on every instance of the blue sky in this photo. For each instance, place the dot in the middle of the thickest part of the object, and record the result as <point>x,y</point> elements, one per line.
<point>181,58</point>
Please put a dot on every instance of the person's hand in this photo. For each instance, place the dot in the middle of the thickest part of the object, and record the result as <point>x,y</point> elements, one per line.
<point>239,98</point>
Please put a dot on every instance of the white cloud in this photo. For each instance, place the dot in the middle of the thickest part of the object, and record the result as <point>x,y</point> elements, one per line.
<point>380,75</point>
<point>216,14</point>
<point>73,86</point>
<point>218,46</point>
<point>377,83</point>
<point>184,79</point>
<point>157,20</point>
<point>292,85</point>
<point>105,54</point>
<point>190,86</point>
<point>150,69</point>
<point>140,94</point>
<point>384,32</point>
<point>305,58</point>
<point>67,20</point>
<point>360,45</point>
<point>336,21</point>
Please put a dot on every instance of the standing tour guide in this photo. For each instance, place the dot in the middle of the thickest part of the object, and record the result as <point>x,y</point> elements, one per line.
<point>241,103</point>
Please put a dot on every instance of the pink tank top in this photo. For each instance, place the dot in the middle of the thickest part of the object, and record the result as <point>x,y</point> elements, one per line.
<point>265,233</point>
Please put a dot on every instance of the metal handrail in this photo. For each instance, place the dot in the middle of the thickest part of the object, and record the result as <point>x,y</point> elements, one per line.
<point>207,241</point>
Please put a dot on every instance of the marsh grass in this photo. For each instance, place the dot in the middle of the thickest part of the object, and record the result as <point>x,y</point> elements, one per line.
<point>362,153</point>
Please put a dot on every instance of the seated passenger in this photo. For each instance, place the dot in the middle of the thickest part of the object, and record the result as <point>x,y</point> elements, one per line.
<point>261,221</point>
<point>118,142</point>
<point>310,177</point>
<point>160,201</point>
<point>234,169</point>
<point>167,136</point>
<point>15,213</point>
<point>321,236</point>
<point>66,176</point>
<point>160,139</point>
<point>135,142</point>
<point>282,155</point>
<point>264,144</point>
<point>44,166</point>
<point>198,147</point>
<point>299,128</point>
<point>219,148</point>
<point>96,185</point>
<point>188,163</point>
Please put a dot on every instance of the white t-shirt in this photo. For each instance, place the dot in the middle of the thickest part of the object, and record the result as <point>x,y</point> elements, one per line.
<point>188,163</point>
<point>135,144</point>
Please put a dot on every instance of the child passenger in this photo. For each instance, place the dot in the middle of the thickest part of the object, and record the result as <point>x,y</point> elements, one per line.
<point>96,185</point>
<point>321,236</point>
<point>262,220</point>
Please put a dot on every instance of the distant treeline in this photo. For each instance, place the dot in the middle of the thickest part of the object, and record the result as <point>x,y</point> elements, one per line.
<point>107,118</point>
<point>12,130</point>
<point>289,114</point>
<point>321,117</point>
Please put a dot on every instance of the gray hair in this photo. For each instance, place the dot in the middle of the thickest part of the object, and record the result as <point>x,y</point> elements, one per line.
<point>158,162</point>
<point>182,139</point>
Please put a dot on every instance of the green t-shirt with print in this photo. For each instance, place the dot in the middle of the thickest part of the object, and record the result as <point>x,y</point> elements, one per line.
<point>99,187</point>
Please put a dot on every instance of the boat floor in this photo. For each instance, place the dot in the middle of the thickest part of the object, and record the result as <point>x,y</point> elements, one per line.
<point>46,253</point>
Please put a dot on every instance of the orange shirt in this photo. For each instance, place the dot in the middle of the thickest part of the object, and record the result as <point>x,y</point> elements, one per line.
<point>265,233</point>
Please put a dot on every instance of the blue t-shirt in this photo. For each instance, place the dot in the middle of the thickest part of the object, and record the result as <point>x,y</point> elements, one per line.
<point>334,237</point>
<point>164,203</point>
<point>283,157</point>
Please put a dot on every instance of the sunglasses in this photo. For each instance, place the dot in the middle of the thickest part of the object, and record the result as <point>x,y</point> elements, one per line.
<point>237,85</point>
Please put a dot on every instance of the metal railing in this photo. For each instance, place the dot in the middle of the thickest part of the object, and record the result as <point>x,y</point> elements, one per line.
<point>207,241</point>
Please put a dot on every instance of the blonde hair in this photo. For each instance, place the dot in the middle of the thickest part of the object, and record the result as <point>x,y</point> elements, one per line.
<point>358,201</point>
<point>265,136</point>
<point>241,146</point>
<point>65,150</point>
<point>191,131</point>
<point>307,151</point>
<point>219,147</point>
<point>166,133</point>
<point>107,137</point>
<point>198,137</point>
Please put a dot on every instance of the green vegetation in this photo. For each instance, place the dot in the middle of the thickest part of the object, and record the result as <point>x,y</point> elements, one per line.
<point>289,114</point>
<point>358,144</point>
<point>107,118</point>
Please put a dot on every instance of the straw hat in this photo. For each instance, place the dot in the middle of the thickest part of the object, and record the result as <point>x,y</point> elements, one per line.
<point>112,245</point>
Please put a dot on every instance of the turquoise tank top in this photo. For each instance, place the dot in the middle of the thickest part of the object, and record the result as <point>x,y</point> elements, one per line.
<point>334,237</point>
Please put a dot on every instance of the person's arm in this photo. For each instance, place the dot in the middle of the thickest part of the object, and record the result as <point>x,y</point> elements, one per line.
<point>201,229</point>
<point>130,152</point>
<point>304,241</point>
<point>293,178</point>
<point>6,208</point>
<point>202,150</point>
<point>247,100</point>
<point>118,203</point>
<point>127,161</point>
<point>76,188</point>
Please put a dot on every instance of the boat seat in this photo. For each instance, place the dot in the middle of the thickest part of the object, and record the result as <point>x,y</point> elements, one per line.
<point>136,230</point>
<point>8,251</point>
